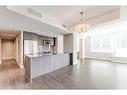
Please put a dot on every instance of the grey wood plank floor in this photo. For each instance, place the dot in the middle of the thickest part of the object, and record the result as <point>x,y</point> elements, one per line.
<point>88,74</point>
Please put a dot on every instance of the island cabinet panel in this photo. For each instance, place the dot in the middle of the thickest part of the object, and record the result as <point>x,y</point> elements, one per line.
<point>66,60</point>
<point>55,62</point>
<point>41,66</point>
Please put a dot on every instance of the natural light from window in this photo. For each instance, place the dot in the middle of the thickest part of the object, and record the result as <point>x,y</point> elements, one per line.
<point>115,43</point>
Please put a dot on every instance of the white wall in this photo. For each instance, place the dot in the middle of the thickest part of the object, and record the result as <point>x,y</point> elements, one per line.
<point>81,45</point>
<point>101,55</point>
<point>85,49</point>
<point>104,28</point>
<point>123,13</point>
<point>58,48</point>
<point>96,55</point>
<point>75,61</point>
<point>16,48</point>
<point>20,50</point>
<point>7,49</point>
<point>82,48</point>
<point>0,51</point>
<point>70,45</point>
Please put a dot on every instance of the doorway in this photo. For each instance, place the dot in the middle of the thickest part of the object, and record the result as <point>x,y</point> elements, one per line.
<point>8,46</point>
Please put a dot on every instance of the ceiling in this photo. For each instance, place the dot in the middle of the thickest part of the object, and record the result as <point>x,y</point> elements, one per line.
<point>8,34</point>
<point>69,15</point>
<point>24,22</point>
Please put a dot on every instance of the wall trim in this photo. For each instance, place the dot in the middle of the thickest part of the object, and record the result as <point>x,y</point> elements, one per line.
<point>21,67</point>
<point>113,60</point>
<point>118,61</point>
<point>98,58</point>
<point>8,58</point>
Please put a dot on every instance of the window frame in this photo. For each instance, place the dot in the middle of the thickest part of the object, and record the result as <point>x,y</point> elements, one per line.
<point>100,37</point>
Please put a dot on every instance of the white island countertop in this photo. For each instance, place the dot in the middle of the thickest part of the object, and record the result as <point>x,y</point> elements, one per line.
<point>43,54</point>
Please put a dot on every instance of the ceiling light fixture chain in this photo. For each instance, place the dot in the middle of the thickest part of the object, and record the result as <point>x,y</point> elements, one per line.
<point>81,27</point>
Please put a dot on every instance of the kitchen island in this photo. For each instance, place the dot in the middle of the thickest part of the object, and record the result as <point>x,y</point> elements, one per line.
<point>39,64</point>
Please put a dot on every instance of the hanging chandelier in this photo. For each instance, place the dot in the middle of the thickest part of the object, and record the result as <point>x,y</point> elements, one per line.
<point>81,27</point>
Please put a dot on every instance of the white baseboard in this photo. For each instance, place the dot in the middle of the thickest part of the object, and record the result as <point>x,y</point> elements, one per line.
<point>113,60</point>
<point>3,58</point>
<point>98,58</point>
<point>21,66</point>
<point>81,57</point>
<point>119,61</point>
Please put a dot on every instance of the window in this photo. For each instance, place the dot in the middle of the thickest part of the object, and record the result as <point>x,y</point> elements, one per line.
<point>121,44</point>
<point>114,42</point>
<point>101,43</point>
<point>95,43</point>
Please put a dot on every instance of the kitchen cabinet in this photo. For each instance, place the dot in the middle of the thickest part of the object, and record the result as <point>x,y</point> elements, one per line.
<point>41,39</point>
<point>66,60</point>
<point>41,65</point>
<point>37,65</point>
<point>56,61</point>
<point>35,37</point>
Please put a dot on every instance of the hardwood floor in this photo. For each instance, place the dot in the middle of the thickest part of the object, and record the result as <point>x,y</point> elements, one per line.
<point>89,74</point>
<point>10,74</point>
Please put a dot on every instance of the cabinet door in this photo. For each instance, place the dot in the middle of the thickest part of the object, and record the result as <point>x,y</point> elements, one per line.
<point>56,62</point>
<point>66,60</point>
<point>40,65</point>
